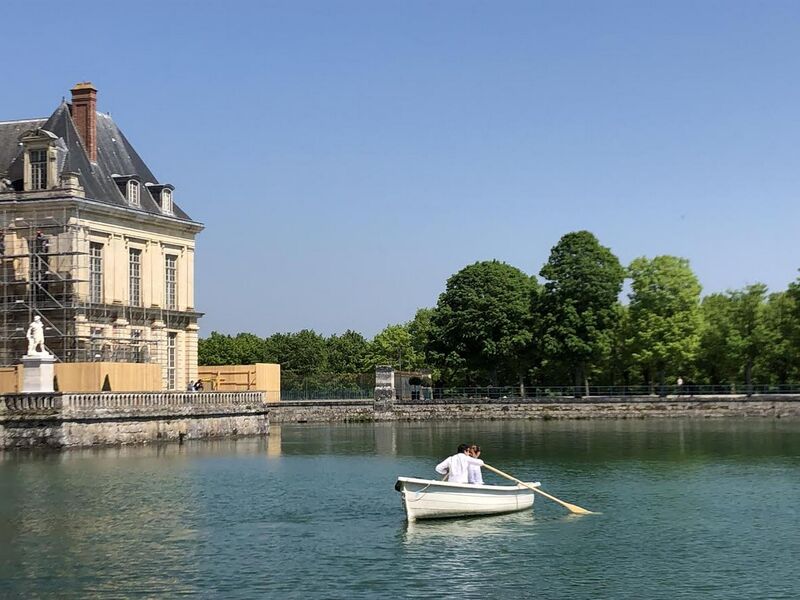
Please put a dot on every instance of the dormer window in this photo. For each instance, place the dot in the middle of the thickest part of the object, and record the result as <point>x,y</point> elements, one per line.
<point>166,201</point>
<point>162,194</point>
<point>38,162</point>
<point>133,193</point>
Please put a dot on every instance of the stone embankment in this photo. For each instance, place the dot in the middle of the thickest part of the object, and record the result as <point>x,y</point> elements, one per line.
<point>66,420</point>
<point>63,420</point>
<point>327,411</point>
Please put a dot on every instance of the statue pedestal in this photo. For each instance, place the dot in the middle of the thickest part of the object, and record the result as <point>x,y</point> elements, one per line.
<point>37,372</point>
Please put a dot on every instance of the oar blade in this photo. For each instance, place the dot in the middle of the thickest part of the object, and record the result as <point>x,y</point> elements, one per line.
<point>577,510</point>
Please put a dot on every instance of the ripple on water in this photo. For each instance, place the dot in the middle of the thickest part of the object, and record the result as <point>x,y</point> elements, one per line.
<point>679,517</point>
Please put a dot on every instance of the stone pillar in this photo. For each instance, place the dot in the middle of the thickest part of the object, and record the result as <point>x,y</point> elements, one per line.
<point>384,387</point>
<point>37,373</point>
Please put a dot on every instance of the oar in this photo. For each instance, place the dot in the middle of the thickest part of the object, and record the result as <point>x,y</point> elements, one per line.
<point>570,507</point>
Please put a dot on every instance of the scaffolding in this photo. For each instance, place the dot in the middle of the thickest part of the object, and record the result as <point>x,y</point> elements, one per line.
<point>46,271</point>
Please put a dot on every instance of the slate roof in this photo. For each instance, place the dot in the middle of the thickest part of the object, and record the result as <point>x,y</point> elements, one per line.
<point>9,140</point>
<point>115,155</point>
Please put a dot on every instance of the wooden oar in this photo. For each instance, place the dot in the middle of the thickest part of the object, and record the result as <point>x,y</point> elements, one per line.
<point>570,507</point>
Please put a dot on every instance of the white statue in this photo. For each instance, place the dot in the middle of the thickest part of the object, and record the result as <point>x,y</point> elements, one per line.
<point>35,337</point>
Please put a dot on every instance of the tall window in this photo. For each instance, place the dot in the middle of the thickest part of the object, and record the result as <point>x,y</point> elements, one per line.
<point>135,276</point>
<point>133,193</point>
<point>166,201</point>
<point>38,160</point>
<point>96,272</point>
<point>171,339</point>
<point>170,281</point>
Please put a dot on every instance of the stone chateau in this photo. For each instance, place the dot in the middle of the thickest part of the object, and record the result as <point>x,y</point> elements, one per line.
<point>93,243</point>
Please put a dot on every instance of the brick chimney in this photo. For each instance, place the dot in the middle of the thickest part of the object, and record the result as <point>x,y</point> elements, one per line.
<point>84,114</point>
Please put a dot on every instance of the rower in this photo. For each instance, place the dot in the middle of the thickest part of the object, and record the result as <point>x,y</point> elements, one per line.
<point>456,466</point>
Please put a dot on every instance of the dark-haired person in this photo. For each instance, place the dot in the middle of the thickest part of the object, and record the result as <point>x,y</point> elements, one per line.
<point>474,474</point>
<point>456,467</point>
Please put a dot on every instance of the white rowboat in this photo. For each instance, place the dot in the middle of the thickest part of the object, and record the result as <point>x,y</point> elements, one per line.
<point>431,499</point>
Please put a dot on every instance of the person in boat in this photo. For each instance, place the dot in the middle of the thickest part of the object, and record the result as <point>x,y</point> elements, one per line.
<point>474,474</point>
<point>456,467</point>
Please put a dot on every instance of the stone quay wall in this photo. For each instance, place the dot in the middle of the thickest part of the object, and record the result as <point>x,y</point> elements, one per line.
<point>330,411</point>
<point>64,420</point>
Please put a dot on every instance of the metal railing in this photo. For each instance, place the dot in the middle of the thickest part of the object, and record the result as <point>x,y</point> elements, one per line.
<point>571,393</point>
<point>328,394</point>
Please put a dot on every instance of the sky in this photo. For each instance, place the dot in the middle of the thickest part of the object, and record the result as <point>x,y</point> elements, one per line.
<point>347,157</point>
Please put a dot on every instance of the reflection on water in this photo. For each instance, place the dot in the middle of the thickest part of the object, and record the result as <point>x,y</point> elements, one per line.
<point>477,529</point>
<point>311,512</point>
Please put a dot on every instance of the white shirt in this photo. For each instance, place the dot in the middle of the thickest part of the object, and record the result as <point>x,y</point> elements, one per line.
<point>474,474</point>
<point>456,467</point>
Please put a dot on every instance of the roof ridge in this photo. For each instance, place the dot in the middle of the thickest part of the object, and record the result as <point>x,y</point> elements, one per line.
<point>23,120</point>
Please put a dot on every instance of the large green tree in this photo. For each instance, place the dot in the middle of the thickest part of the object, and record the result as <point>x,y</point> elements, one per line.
<point>395,346</point>
<point>665,316</point>
<point>242,349</point>
<point>303,357</point>
<point>576,309</point>
<point>716,360</point>
<point>780,360</point>
<point>482,323</point>
<point>347,353</point>
<point>748,306</point>
<point>216,349</point>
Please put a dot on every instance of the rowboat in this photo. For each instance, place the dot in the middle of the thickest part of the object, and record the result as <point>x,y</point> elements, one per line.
<point>431,499</point>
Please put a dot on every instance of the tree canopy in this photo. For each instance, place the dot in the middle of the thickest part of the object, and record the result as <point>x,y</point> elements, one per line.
<point>665,316</point>
<point>577,307</point>
<point>482,322</point>
<point>495,325</point>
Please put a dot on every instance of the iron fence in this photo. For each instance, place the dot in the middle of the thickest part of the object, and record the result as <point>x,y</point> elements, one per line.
<point>550,393</point>
<point>328,394</point>
<point>573,392</point>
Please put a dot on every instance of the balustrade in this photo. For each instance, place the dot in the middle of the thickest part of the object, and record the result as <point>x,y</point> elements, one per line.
<point>117,400</point>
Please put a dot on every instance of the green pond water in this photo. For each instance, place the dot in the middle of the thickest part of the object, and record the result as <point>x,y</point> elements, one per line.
<point>690,509</point>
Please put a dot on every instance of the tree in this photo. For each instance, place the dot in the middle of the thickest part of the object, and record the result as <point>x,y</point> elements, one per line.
<point>303,357</point>
<point>748,322</point>
<point>716,357</point>
<point>482,323</point>
<point>249,349</point>
<point>577,306</point>
<point>617,366</point>
<point>421,329</point>
<point>780,360</point>
<point>216,349</point>
<point>665,315</point>
<point>219,349</point>
<point>734,334</point>
<point>395,346</point>
<point>347,353</point>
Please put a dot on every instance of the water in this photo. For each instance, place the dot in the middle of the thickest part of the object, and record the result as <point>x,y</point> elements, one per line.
<point>690,509</point>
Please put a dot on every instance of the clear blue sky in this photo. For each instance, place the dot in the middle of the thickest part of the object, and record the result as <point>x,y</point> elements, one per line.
<point>347,157</point>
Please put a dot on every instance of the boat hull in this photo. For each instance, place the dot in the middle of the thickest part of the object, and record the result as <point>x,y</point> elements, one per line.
<point>430,499</point>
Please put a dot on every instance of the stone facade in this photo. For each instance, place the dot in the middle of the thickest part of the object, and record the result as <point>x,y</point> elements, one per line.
<point>95,245</point>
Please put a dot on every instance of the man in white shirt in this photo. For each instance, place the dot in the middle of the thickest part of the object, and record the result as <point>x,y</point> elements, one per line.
<point>456,467</point>
<point>474,474</point>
